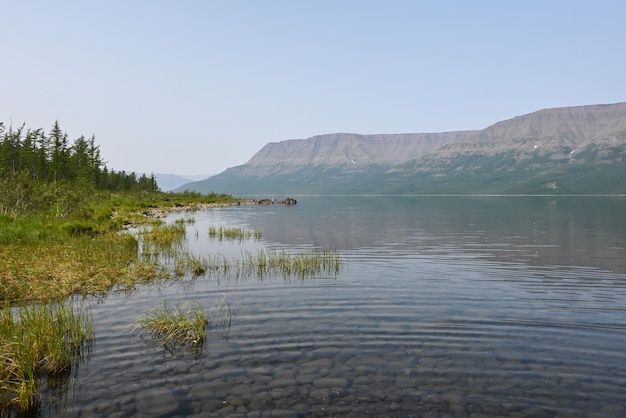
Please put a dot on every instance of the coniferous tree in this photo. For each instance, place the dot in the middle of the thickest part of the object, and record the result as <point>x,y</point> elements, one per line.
<point>80,162</point>
<point>43,156</point>
<point>59,154</point>
<point>95,161</point>
<point>50,159</point>
<point>27,154</point>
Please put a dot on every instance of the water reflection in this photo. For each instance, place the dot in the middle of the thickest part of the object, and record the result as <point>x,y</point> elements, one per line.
<point>570,231</point>
<point>447,307</point>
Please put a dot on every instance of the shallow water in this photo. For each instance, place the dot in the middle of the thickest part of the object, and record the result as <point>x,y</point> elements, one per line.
<point>446,306</point>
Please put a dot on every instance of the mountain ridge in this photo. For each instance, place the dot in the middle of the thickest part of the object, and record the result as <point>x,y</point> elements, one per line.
<point>354,149</point>
<point>539,152</point>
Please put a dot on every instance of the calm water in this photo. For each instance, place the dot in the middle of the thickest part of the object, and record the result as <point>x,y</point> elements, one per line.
<point>446,307</point>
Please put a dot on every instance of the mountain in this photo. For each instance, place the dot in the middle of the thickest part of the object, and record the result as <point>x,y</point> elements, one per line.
<point>312,165</point>
<point>347,150</point>
<point>577,150</point>
<point>168,182</point>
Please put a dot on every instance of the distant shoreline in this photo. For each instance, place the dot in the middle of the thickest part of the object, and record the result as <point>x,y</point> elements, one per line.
<point>161,212</point>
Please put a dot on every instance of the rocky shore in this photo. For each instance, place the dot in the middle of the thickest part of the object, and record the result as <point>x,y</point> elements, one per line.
<point>161,212</point>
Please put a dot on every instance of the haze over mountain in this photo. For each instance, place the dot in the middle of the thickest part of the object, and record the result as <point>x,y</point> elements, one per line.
<point>168,182</point>
<point>346,150</point>
<point>579,150</point>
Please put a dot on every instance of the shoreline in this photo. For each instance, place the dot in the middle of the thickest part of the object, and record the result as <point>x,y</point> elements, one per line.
<point>161,212</point>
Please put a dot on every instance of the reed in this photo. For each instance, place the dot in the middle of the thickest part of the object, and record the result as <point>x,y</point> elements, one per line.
<point>302,264</point>
<point>270,262</point>
<point>179,326</point>
<point>163,237</point>
<point>196,265</point>
<point>228,233</point>
<point>220,315</point>
<point>40,339</point>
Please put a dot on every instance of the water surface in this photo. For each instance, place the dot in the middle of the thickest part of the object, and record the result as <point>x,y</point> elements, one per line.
<point>446,306</point>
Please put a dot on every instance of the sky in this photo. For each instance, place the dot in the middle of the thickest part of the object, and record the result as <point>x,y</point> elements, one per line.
<point>198,86</point>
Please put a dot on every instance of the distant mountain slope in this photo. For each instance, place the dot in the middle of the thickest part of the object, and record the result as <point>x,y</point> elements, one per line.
<point>299,163</point>
<point>579,150</point>
<point>168,182</point>
<point>561,130</point>
<point>347,150</point>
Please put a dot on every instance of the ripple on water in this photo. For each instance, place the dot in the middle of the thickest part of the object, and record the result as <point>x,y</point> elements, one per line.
<point>442,330</point>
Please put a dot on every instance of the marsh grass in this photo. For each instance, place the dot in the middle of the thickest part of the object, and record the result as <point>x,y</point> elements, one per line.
<point>300,264</point>
<point>162,238</point>
<point>283,263</point>
<point>194,264</point>
<point>45,257</point>
<point>220,316</point>
<point>180,325</point>
<point>59,267</point>
<point>226,233</point>
<point>39,340</point>
<point>183,328</point>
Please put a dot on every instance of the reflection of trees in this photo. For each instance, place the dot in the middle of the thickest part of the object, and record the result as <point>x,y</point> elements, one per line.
<point>547,230</point>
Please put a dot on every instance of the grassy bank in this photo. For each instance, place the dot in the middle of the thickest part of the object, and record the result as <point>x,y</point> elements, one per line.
<point>115,240</point>
<point>39,340</point>
<point>44,257</point>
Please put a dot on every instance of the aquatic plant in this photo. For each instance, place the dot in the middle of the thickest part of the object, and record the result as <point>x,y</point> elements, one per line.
<point>233,233</point>
<point>183,324</point>
<point>162,238</point>
<point>39,339</point>
<point>196,265</point>
<point>220,315</point>
<point>183,328</point>
<point>269,262</point>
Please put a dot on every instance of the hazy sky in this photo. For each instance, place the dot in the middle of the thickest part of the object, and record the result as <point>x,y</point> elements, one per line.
<point>194,87</point>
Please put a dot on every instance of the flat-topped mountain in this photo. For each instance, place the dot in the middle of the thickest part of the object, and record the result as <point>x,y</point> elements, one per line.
<point>575,150</point>
<point>565,129</point>
<point>570,126</point>
<point>349,150</point>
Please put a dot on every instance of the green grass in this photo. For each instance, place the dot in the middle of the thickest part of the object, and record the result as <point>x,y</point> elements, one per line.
<point>227,233</point>
<point>183,324</point>
<point>283,263</point>
<point>45,257</point>
<point>44,339</point>
<point>183,328</point>
<point>162,238</point>
<point>220,315</point>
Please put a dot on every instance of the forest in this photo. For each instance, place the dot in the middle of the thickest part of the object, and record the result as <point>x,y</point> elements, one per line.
<point>40,171</point>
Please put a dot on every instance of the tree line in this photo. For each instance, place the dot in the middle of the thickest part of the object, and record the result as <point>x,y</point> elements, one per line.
<point>47,174</point>
<point>52,158</point>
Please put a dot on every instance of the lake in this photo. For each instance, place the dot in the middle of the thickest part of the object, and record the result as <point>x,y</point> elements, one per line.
<point>445,307</point>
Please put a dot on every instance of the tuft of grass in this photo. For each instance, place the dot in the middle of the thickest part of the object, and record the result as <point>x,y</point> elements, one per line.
<point>40,339</point>
<point>269,262</point>
<point>196,265</point>
<point>220,315</point>
<point>181,325</point>
<point>228,233</point>
<point>184,327</point>
<point>163,238</point>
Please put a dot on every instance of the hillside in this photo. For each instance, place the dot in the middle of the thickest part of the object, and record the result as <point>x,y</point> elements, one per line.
<point>347,150</point>
<point>168,182</point>
<point>579,150</point>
